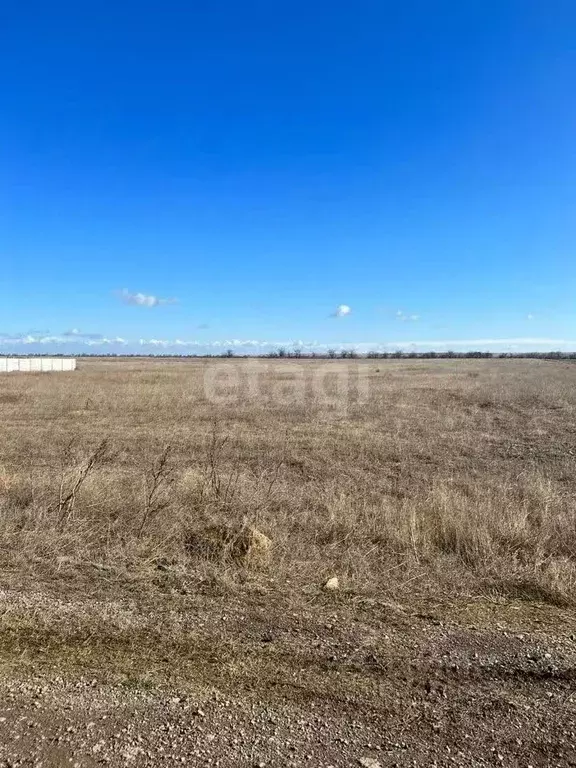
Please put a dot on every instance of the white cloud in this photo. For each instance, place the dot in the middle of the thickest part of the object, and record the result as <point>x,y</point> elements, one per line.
<point>216,344</point>
<point>143,299</point>
<point>67,338</point>
<point>401,315</point>
<point>71,342</point>
<point>105,341</point>
<point>74,333</point>
<point>526,343</point>
<point>365,346</point>
<point>342,310</point>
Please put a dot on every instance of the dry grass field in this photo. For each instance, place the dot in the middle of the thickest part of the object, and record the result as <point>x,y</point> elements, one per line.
<point>446,478</point>
<point>171,523</point>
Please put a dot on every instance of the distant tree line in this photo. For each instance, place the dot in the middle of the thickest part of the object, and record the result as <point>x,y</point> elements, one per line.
<point>344,354</point>
<point>330,354</point>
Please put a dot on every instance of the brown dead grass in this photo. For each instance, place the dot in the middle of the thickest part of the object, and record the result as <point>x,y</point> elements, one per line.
<point>446,478</point>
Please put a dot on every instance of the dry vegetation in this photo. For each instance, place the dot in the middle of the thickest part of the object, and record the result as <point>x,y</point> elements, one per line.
<point>445,478</point>
<point>162,555</point>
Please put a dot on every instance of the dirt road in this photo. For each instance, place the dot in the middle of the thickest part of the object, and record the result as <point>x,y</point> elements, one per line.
<point>273,680</point>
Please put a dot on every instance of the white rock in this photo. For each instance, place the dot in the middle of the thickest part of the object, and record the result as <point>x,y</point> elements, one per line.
<point>332,584</point>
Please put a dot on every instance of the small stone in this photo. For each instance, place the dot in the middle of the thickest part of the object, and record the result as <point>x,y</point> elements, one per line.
<point>369,762</point>
<point>332,585</point>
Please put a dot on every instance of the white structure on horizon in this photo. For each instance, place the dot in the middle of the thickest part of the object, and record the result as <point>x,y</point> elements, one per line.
<point>36,364</point>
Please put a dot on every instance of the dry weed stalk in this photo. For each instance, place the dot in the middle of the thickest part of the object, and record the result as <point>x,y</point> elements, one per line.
<point>72,477</point>
<point>221,487</point>
<point>157,477</point>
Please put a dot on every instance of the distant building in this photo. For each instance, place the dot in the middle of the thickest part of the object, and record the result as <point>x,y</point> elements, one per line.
<point>36,364</point>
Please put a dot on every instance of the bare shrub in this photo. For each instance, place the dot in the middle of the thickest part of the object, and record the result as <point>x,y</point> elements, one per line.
<point>73,474</point>
<point>156,480</point>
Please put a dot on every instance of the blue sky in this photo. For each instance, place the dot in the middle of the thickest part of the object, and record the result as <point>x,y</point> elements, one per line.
<point>220,173</point>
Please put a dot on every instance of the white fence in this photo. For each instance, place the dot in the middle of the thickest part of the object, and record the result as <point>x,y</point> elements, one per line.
<point>36,364</point>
